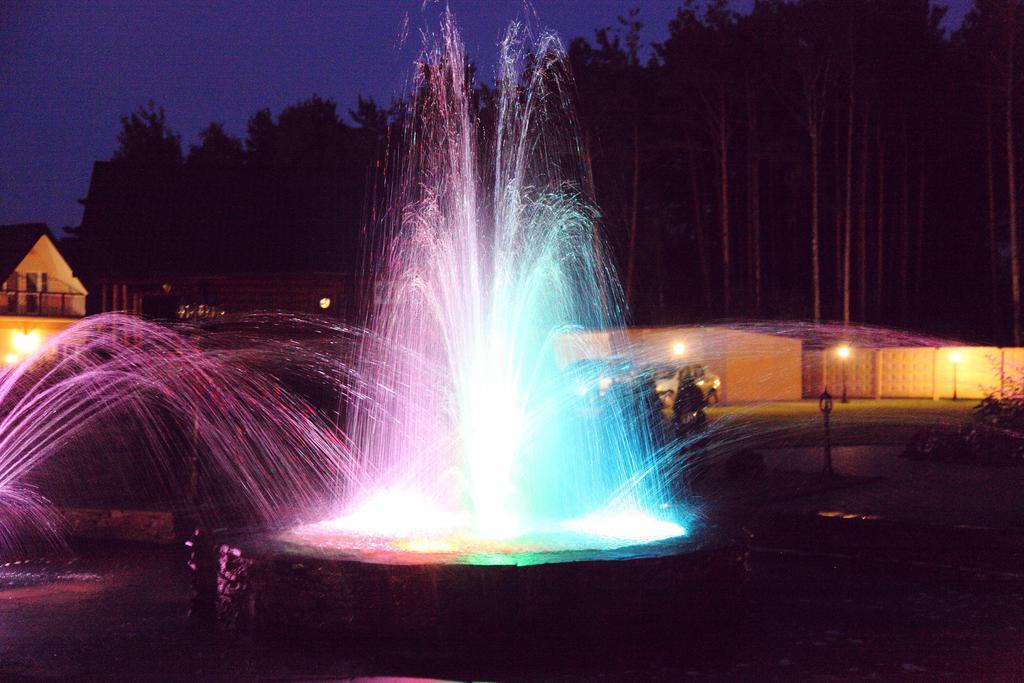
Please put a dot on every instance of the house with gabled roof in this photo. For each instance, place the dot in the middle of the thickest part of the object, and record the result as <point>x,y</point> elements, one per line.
<point>40,295</point>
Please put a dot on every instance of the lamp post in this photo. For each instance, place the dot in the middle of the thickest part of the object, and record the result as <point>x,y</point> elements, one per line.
<point>844,353</point>
<point>955,359</point>
<point>825,406</point>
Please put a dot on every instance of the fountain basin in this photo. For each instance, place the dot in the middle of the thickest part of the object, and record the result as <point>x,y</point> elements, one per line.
<point>267,584</point>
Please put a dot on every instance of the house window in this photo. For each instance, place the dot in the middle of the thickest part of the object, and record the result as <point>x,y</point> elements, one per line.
<point>34,284</point>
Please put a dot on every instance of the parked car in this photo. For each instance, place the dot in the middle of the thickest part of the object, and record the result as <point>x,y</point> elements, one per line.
<point>667,377</point>
<point>594,377</point>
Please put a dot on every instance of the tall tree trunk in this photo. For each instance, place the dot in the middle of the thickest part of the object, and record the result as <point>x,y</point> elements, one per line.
<point>1011,175</point>
<point>698,225</point>
<point>904,254</point>
<point>815,252</point>
<point>659,316</point>
<point>880,229</point>
<point>815,88</point>
<point>848,208</point>
<point>633,213</point>
<point>837,213</point>
<point>993,244</point>
<point>723,170</point>
<point>754,187</point>
<point>919,238</point>
<point>588,168</point>
<point>862,227</point>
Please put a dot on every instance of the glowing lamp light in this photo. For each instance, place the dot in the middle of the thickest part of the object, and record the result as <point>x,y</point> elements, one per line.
<point>678,348</point>
<point>325,302</point>
<point>844,354</point>
<point>25,342</point>
<point>955,357</point>
<point>11,358</point>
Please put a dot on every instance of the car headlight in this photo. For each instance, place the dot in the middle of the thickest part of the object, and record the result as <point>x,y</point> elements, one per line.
<point>718,383</point>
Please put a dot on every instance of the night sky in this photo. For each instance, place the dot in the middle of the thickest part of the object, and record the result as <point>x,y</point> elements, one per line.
<point>69,70</point>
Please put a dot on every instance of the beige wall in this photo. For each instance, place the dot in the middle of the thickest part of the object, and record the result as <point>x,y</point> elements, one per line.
<point>825,370</point>
<point>763,367</point>
<point>44,258</point>
<point>906,372</point>
<point>914,372</point>
<point>1013,364</point>
<point>760,367</point>
<point>977,372</point>
<point>752,366</point>
<point>580,345</point>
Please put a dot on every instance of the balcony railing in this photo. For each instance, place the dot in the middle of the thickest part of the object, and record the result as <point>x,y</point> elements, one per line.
<point>43,304</point>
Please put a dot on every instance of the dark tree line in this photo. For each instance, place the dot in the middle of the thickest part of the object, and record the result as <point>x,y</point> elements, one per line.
<point>786,158</point>
<point>826,159</point>
<point>290,197</point>
<point>823,159</point>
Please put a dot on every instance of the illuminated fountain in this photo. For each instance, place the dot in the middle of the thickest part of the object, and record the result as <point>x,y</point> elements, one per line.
<point>477,478</point>
<point>475,437</point>
<point>220,436</point>
<point>490,489</point>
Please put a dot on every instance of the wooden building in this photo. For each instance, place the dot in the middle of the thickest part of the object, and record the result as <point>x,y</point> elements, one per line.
<point>41,294</point>
<point>194,297</point>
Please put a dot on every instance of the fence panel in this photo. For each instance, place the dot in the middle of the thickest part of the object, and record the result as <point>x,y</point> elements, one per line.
<point>857,371</point>
<point>906,373</point>
<point>812,372</point>
<point>975,369</point>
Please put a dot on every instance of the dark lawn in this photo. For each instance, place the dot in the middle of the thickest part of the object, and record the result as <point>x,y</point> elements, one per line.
<point>859,422</point>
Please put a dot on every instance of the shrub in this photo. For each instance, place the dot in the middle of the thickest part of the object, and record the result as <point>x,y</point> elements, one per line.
<point>994,436</point>
<point>970,443</point>
<point>1004,408</point>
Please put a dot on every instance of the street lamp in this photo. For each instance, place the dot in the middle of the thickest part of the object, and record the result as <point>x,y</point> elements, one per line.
<point>825,406</point>
<point>678,348</point>
<point>955,359</point>
<point>844,353</point>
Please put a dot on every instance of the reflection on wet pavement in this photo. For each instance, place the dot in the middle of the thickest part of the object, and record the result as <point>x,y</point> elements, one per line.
<point>22,573</point>
<point>118,612</point>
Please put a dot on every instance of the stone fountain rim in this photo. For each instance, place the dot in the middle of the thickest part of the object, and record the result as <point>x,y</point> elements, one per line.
<point>265,545</point>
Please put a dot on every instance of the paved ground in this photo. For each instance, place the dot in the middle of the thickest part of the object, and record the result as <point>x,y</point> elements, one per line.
<point>859,422</point>
<point>894,568</point>
<point>118,614</point>
<point>850,577</point>
<point>874,480</point>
